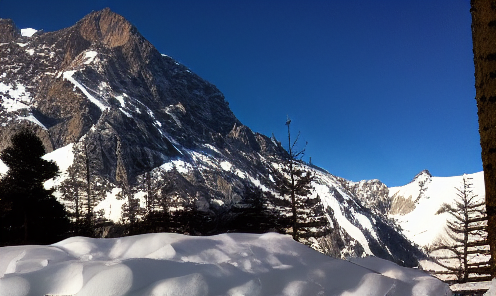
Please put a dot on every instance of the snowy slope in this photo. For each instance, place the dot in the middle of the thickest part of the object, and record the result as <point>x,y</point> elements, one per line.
<point>357,231</point>
<point>421,225</point>
<point>173,264</point>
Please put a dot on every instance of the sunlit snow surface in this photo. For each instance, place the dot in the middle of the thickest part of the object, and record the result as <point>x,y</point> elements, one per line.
<point>64,158</point>
<point>28,32</point>
<point>327,196</point>
<point>17,97</point>
<point>174,264</point>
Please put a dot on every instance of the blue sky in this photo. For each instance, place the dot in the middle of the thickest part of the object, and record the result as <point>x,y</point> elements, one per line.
<point>378,89</point>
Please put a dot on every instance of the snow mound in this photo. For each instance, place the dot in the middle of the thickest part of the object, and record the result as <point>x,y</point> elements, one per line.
<point>226,264</point>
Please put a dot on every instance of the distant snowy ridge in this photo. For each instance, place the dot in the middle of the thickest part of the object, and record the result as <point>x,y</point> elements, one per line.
<point>227,264</point>
<point>421,224</point>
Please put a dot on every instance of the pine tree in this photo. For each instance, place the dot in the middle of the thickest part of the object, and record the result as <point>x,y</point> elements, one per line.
<point>155,214</point>
<point>34,214</point>
<point>71,189</point>
<point>84,188</point>
<point>467,232</point>
<point>295,181</point>
<point>256,214</point>
<point>130,208</point>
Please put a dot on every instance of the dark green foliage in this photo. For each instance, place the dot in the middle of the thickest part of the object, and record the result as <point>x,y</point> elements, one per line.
<point>31,213</point>
<point>254,215</point>
<point>294,180</point>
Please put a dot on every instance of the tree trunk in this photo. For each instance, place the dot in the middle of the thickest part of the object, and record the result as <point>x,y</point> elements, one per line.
<point>293,193</point>
<point>77,210</point>
<point>88,183</point>
<point>484,48</point>
<point>25,227</point>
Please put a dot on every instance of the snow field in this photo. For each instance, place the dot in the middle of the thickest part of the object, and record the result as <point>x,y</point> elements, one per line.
<point>174,264</point>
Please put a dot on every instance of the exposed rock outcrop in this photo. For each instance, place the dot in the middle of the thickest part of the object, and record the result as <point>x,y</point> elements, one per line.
<point>8,31</point>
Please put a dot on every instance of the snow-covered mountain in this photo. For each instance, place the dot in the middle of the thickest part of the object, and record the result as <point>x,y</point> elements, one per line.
<point>102,83</point>
<point>226,264</point>
<point>414,205</point>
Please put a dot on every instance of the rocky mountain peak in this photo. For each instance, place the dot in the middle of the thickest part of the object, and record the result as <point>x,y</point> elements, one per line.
<point>107,27</point>
<point>8,31</point>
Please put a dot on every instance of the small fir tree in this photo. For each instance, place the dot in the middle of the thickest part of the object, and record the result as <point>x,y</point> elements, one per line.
<point>295,181</point>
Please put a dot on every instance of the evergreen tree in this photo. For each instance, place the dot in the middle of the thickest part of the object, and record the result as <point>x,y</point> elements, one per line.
<point>72,193</point>
<point>33,215</point>
<point>295,181</point>
<point>155,214</point>
<point>467,232</point>
<point>131,208</point>
<point>84,188</point>
<point>256,214</point>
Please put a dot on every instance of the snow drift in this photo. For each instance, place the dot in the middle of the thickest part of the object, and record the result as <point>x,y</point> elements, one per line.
<point>175,264</point>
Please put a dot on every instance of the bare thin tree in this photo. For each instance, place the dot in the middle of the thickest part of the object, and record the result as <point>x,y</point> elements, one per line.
<point>467,236</point>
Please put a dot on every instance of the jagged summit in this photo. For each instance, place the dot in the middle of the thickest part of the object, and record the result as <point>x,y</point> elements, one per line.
<point>101,79</point>
<point>107,27</point>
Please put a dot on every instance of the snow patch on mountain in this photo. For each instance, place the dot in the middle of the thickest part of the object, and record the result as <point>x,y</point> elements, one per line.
<point>68,75</point>
<point>226,165</point>
<point>329,200</point>
<point>15,97</point>
<point>89,57</point>
<point>28,32</point>
<point>180,165</point>
<point>33,119</point>
<point>3,168</point>
<point>63,157</point>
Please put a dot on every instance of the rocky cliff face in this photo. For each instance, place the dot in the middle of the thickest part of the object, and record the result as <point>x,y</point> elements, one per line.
<point>102,79</point>
<point>373,194</point>
<point>100,82</point>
